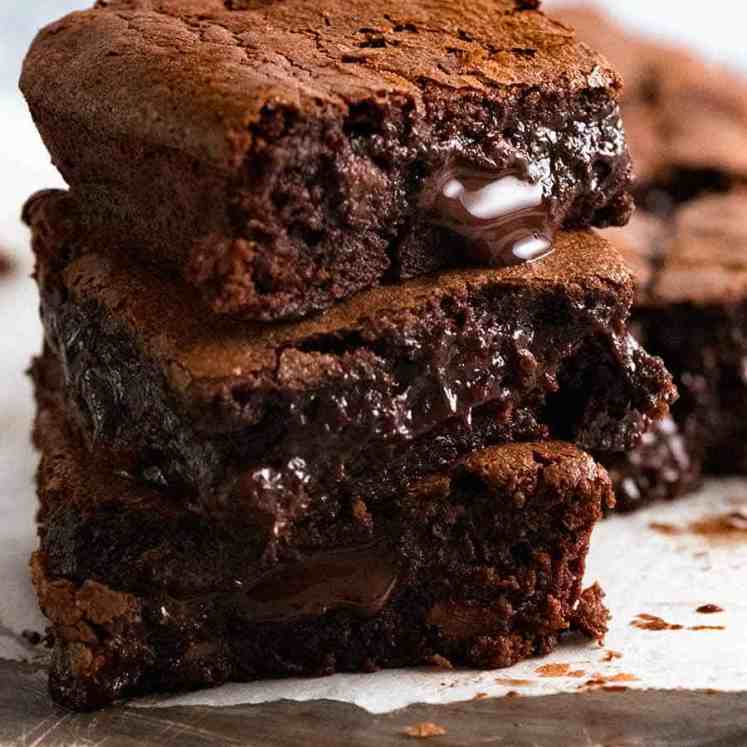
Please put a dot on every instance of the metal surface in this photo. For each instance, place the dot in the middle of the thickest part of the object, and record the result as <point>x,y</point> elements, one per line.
<point>615,717</point>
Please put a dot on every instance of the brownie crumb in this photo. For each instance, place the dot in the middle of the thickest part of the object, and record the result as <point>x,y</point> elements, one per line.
<point>6,263</point>
<point>511,682</point>
<point>33,637</point>
<point>645,621</point>
<point>440,662</point>
<point>528,4</point>
<point>668,529</point>
<point>707,627</point>
<point>623,677</point>
<point>598,680</point>
<point>727,526</point>
<point>424,730</point>
<point>591,616</point>
<point>709,609</point>
<point>609,655</point>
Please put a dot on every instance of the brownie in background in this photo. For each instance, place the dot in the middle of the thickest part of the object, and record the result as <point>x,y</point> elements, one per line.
<point>686,126</point>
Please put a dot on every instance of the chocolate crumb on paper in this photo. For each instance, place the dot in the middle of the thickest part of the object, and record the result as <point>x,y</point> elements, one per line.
<point>707,627</point>
<point>731,526</point>
<point>6,263</point>
<point>609,655</point>
<point>644,621</point>
<point>424,730</point>
<point>662,528</point>
<point>598,680</point>
<point>511,682</point>
<point>440,662</point>
<point>709,609</point>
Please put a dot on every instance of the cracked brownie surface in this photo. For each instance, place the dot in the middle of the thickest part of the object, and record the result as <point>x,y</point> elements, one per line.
<point>281,155</point>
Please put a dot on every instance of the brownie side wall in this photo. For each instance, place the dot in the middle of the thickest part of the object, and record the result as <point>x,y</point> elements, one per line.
<point>327,204</point>
<point>487,576</point>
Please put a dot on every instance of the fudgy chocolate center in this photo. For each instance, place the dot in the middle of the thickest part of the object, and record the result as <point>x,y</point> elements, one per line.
<point>502,215</point>
<point>359,579</point>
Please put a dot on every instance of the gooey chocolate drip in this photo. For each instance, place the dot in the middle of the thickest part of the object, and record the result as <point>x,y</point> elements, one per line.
<point>360,579</point>
<point>503,215</point>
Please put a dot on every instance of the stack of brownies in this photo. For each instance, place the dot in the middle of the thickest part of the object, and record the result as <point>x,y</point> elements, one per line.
<point>326,327</point>
<point>686,124</point>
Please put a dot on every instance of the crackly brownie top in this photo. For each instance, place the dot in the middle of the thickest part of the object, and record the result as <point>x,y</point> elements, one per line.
<point>697,255</point>
<point>195,74</point>
<point>681,113</point>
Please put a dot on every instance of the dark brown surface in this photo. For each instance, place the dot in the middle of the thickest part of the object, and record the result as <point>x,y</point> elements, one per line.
<point>686,124</point>
<point>692,311</point>
<point>614,719</point>
<point>281,156</point>
<point>685,119</point>
<point>664,466</point>
<point>7,265</point>
<point>480,564</point>
<point>383,388</point>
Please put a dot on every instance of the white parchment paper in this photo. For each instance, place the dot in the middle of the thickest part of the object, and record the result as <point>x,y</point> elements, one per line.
<point>643,571</point>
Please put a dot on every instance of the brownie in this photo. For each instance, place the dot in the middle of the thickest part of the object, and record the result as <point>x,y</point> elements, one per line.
<point>692,311</point>
<point>481,564</point>
<point>272,422</point>
<point>662,467</point>
<point>282,155</point>
<point>685,118</point>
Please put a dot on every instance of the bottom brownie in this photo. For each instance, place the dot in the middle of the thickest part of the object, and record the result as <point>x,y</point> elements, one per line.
<point>481,564</point>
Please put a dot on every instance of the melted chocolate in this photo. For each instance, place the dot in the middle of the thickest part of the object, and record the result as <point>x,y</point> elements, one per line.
<point>360,579</point>
<point>503,216</point>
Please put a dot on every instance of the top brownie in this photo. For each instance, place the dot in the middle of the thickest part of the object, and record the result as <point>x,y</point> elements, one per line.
<point>685,118</point>
<point>283,155</point>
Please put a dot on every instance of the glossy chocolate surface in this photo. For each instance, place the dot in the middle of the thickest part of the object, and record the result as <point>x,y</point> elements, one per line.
<point>503,216</point>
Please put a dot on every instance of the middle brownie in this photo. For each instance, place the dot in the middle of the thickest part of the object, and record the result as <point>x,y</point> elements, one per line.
<point>276,421</point>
